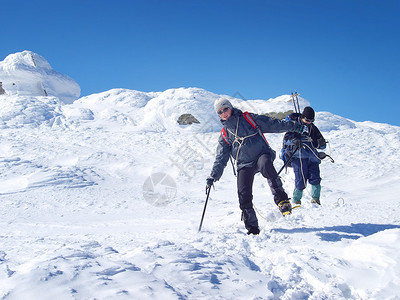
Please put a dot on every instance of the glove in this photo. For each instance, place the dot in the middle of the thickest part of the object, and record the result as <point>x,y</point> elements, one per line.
<point>209,183</point>
<point>308,139</point>
<point>321,143</point>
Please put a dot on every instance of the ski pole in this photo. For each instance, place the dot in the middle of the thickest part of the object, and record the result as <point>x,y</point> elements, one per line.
<point>205,206</point>
<point>287,162</point>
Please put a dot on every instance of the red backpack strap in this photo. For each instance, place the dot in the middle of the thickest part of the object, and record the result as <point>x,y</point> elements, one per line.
<point>250,119</point>
<point>224,135</point>
<point>253,124</point>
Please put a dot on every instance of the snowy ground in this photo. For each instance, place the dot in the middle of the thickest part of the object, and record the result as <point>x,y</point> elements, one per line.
<point>101,201</point>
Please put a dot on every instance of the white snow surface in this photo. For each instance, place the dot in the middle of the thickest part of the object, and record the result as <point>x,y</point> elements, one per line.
<point>29,74</point>
<point>102,199</point>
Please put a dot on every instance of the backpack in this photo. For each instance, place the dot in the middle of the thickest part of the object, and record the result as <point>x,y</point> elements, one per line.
<point>287,146</point>
<point>251,121</point>
<point>287,150</point>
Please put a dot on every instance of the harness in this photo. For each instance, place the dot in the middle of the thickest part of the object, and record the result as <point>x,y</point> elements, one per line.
<point>238,139</point>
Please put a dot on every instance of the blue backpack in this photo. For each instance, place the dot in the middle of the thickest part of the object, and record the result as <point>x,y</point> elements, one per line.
<point>287,145</point>
<point>287,148</point>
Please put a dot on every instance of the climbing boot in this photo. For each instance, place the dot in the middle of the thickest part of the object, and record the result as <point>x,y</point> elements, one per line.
<point>285,207</point>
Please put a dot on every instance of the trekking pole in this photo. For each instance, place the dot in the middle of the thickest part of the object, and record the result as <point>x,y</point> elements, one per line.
<point>233,166</point>
<point>204,210</point>
<point>287,162</point>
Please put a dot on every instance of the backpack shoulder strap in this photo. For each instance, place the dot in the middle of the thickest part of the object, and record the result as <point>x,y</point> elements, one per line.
<point>250,119</point>
<point>224,135</point>
<point>253,124</point>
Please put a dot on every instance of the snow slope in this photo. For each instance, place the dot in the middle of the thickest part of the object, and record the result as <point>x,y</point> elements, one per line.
<point>102,199</point>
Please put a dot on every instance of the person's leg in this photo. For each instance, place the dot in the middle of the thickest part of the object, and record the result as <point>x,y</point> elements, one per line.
<point>245,178</point>
<point>316,194</point>
<point>315,181</point>
<point>300,178</point>
<point>266,168</point>
<point>297,195</point>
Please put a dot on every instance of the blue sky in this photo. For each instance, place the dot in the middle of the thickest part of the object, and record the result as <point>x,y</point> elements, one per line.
<point>341,55</point>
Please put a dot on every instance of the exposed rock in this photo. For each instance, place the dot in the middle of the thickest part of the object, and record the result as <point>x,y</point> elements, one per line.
<point>187,119</point>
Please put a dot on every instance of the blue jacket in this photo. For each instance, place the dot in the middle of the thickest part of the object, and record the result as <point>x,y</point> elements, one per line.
<point>244,143</point>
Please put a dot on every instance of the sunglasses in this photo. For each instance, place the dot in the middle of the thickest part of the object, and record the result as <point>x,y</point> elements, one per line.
<point>308,120</point>
<point>220,112</point>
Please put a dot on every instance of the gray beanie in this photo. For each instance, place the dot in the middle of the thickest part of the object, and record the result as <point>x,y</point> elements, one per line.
<point>222,102</point>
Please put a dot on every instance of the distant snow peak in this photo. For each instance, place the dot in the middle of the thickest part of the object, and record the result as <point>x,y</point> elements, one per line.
<point>27,60</point>
<point>29,74</point>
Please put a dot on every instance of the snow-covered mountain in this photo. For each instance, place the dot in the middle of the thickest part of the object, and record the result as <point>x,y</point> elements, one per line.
<point>102,198</point>
<point>29,74</point>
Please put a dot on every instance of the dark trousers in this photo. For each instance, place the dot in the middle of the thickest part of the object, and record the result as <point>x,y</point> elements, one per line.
<point>245,179</point>
<point>305,170</point>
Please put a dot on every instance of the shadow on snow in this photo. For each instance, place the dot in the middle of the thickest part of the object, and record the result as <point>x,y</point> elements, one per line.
<point>337,233</point>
